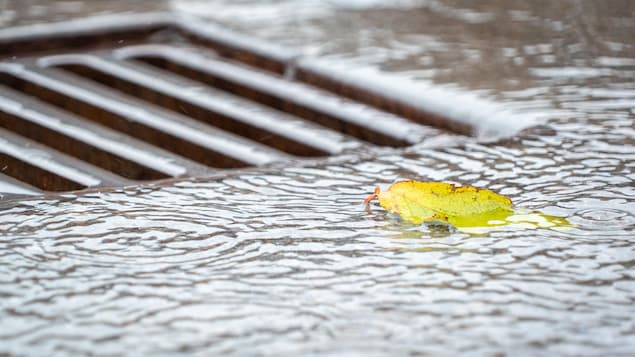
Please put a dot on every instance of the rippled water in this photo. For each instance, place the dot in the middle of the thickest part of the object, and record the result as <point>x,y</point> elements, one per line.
<point>277,262</point>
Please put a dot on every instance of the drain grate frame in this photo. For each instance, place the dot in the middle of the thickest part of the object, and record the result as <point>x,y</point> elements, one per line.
<point>127,99</point>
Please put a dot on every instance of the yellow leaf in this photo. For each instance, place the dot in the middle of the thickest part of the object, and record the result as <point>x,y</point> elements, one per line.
<point>465,206</point>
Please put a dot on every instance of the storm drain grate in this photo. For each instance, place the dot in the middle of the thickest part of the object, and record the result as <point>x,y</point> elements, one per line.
<point>118,100</point>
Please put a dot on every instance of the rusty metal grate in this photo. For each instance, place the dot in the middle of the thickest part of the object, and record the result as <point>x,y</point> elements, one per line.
<point>118,100</point>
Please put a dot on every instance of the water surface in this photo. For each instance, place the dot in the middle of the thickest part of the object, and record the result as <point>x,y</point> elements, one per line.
<point>275,262</point>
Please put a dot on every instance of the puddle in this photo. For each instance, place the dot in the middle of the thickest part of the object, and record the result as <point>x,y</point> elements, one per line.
<point>286,262</point>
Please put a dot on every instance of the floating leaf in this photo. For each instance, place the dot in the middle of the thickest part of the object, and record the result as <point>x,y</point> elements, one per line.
<point>464,206</point>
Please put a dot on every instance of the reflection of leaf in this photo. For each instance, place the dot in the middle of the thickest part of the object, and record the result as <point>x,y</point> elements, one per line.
<point>538,219</point>
<point>463,207</point>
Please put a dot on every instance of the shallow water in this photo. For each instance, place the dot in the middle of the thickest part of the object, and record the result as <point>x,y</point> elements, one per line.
<point>286,261</point>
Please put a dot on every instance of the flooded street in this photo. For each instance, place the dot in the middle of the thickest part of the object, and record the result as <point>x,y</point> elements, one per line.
<point>267,261</point>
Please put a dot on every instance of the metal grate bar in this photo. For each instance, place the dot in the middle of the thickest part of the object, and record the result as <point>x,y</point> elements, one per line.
<point>12,188</point>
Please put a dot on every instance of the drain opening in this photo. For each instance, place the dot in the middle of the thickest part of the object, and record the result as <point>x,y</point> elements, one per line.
<point>36,176</point>
<point>257,104</point>
<point>122,124</point>
<point>195,111</point>
<point>226,47</point>
<point>48,169</point>
<point>39,41</point>
<point>288,102</point>
<point>78,149</point>
<point>309,74</point>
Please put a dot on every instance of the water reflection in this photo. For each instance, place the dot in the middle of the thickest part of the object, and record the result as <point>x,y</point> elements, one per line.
<point>285,262</point>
